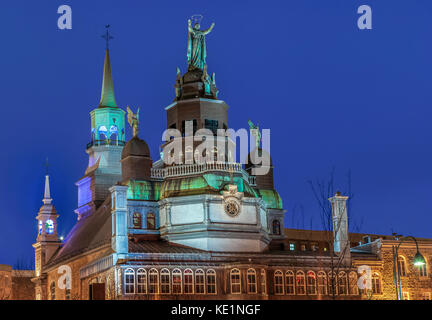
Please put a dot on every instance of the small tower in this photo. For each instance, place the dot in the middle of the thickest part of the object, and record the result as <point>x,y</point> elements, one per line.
<point>105,147</point>
<point>341,244</point>
<point>47,240</point>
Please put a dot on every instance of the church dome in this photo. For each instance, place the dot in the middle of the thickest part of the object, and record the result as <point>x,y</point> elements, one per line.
<point>136,147</point>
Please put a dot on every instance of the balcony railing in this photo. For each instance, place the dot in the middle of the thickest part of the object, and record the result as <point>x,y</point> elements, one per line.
<point>193,169</point>
<point>105,143</point>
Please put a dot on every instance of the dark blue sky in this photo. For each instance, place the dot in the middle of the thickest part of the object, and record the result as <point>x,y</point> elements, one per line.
<point>332,95</point>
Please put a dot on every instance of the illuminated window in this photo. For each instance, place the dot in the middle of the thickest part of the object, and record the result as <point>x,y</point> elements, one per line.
<point>151,224</point>
<point>405,295</point>
<point>188,281</point>
<point>276,227</point>
<point>422,270</point>
<point>353,286</point>
<point>342,283</point>
<point>376,283</point>
<point>300,283</point>
<point>322,283</point>
<point>49,226</point>
<point>102,131</point>
<point>153,281</point>
<point>263,281</point>
<point>141,281</point>
<point>165,281</point>
<point>402,266</point>
<point>311,283</point>
<point>292,246</point>
<point>113,134</point>
<point>235,281</point>
<point>129,281</point>
<point>137,220</point>
<point>251,281</point>
<point>427,296</point>
<point>52,290</point>
<point>289,282</point>
<point>332,287</point>
<point>40,226</point>
<point>199,281</point>
<point>211,281</point>
<point>176,281</point>
<point>278,282</point>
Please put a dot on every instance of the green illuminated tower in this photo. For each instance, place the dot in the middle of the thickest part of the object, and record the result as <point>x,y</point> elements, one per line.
<point>104,149</point>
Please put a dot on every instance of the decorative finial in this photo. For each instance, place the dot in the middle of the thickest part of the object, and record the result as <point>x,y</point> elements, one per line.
<point>107,36</point>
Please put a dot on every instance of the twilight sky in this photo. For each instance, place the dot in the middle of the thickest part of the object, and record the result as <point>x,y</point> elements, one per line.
<point>332,95</point>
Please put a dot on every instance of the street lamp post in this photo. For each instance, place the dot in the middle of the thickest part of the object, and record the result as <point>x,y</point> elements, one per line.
<point>418,262</point>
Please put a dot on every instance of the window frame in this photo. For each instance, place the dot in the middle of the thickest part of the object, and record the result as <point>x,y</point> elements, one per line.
<point>251,275</point>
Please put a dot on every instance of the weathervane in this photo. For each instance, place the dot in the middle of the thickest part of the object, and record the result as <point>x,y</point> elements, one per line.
<point>107,36</point>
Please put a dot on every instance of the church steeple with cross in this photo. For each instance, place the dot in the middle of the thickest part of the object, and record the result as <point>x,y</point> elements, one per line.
<point>106,143</point>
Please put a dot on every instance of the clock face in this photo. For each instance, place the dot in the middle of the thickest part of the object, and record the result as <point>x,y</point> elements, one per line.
<point>232,208</point>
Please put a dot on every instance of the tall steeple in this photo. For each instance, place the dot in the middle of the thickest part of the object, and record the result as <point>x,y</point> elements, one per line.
<point>107,94</point>
<point>105,147</point>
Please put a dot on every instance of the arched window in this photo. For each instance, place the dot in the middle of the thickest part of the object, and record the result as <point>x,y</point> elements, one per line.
<point>235,281</point>
<point>113,135</point>
<point>49,226</point>
<point>332,285</point>
<point>353,286</point>
<point>263,281</point>
<point>311,283</point>
<point>137,220</point>
<point>176,281</point>
<point>53,291</point>
<point>141,281</point>
<point>289,282</point>
<point>300,283</point>
<point>165,281</point>
<point>199,281</point>
<point>251,281</point>
<point>376,283</point>
<point>129,281</point>
<point>276,227</point>
<point>153,281</point>
<point>211,281</point>
<point>402,266</point>
<point>322,283</point>
<point>188,281</point>
<point>278,282</point>
<point>342,283</point>
<point>189,155</point>
<point>214,154</point>
<point>102,131</point>
<point>423,270</point>
<point>151,224</point>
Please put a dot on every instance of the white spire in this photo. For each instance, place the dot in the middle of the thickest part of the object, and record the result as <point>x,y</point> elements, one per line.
<point>47,195</point>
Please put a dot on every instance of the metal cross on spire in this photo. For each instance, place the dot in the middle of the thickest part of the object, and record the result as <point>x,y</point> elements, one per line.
<point>107,36</point>
<point>47,165</point>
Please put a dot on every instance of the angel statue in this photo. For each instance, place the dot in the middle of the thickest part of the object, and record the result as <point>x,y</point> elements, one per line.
<point>196,53</point>
<point>255,132</point>
<point>133,120</point>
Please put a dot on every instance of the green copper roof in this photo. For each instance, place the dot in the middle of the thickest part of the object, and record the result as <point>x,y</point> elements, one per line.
<point>144,190</point>
<point>107,95</point>
<point>271,198</point>
<point>210,183</point>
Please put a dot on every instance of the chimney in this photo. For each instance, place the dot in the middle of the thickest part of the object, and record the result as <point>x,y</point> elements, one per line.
<point>340,225</point>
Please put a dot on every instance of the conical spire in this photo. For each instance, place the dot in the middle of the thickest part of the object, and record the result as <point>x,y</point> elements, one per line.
<point>47,194</point>
<point>107,95</point>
